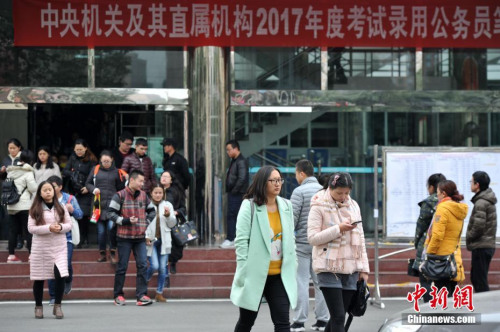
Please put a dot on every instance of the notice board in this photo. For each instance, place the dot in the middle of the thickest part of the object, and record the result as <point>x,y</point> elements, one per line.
<point>405,174</point>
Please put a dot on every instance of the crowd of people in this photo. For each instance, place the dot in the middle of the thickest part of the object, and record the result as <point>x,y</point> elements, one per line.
<point>280,244</point>
<point>136,213</point>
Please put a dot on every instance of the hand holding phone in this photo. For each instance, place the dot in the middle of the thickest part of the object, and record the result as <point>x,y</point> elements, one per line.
<point>356,222</point>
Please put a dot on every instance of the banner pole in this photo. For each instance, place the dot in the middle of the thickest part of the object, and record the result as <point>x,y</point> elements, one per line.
<point>377,299</point>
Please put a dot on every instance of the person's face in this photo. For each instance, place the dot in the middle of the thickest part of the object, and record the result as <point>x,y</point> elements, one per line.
<point>431,190</point>
<point>13,149</point>
<point>474,186</point>
<point>137,183</point>
<point>340,194</point>
<point>440,194</point>
<point>274,184</point>
<point>47,192</point>
<point>125,146</point>
<point>80,150</point>
<point>231,152</point>
<point>57,188</point>
<point>166,179</point>
<point>299,176</point>
<point>106,161</point>
<point>141,150</point>
<point>157,194</point>
<point>168,148</point>
<point>43,156</point>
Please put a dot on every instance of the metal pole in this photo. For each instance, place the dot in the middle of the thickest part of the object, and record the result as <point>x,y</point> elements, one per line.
<point>377,301</point>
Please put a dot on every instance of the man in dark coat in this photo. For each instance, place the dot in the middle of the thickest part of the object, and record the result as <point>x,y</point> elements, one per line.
<point>236,186</point>
<point>123,149</point>
<point>173,161</point>
<point>482,230</point>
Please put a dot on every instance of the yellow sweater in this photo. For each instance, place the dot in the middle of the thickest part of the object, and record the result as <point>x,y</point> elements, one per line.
<point>276,246</point>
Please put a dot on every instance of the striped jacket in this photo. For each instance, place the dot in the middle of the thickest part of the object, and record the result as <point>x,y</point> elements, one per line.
<point>126,204</point>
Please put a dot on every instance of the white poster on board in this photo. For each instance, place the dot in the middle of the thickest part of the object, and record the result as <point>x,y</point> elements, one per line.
<point>406,175</point>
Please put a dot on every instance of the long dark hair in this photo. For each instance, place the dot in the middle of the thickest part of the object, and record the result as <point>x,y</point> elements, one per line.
<point>258,187</point>
<point>36,210</point>
<point>450,188</point>
<point>89,155</point>
<point>50,163</point>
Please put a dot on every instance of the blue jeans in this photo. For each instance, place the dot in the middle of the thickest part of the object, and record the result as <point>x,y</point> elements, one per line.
<point>104,234</point>
<point>68,279</point>
<point>138,247</point>
<point>158,262</point>
<point>233,207</point>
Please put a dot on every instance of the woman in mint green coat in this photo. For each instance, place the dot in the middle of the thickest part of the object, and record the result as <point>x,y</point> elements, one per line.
<point>265,253</point>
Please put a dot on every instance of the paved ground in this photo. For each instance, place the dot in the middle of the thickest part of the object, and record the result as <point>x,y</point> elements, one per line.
<point>176,315</point>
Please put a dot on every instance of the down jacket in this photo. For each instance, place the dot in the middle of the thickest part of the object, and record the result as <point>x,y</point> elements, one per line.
<point>301,199</point>
<point>335,251</point>
<point>76,164</point>
<point>237,176</point>
<point>24,179</point>
<point>445,232</point>
<point>482,228</point>
<point>108,181</point>
<point>166,223</point>
<point>145,165</point>
<point>49,249</point>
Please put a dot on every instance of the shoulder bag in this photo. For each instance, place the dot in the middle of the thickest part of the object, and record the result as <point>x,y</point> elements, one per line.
<point>185,231</point>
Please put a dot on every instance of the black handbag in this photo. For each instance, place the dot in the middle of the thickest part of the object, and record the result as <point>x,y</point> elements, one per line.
<point>436,267</point>
<point>411,271</point>
<point>184,232</point>
<point>359,302</point>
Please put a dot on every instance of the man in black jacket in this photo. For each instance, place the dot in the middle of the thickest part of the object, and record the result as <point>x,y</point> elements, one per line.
<point>236,186</point>
<point>123,149</point>
<point>173,161</point>
<point>482,230</point>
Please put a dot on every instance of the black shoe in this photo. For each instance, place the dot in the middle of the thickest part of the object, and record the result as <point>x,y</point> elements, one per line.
<point>19,245</point>
<point>173,270</point>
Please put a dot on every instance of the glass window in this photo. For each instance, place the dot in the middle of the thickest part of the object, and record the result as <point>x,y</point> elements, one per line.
<point>277,68</point>
<point>139,68</point>
<point>360,69</point>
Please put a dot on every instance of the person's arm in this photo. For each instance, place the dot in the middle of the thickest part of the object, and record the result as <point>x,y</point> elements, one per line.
<point>477,222</point>
<point>423,221</point>
<point>438,231</point>
<point>126,164</point>
<point>31,184</point>
<point>315,235</point>
<point>297,200</point>
<point>150,210</point>
<point>68,168</point>
<point>186,177</point>
<point>34,229</point>
<point>242,171</point>
<point>77,211</point>
<point>171,221</point>
<point>114,211</point>
<point>243,229</point>
<point>89,184</point>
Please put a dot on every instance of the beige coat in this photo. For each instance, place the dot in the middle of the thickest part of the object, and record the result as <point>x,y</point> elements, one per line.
<point>335,251</point>
<point>49,249</point>
<point>24,178</point>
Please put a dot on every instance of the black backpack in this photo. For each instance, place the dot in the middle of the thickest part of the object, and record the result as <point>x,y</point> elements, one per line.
<point>10,195</point>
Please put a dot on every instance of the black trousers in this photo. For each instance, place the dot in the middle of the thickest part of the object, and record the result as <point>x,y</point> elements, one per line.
<point>279,305</point>
<point>59,288</point>
<point>449,284</point>
<point>19,222</point>
<point>337,300</point>
<point>480,265</point>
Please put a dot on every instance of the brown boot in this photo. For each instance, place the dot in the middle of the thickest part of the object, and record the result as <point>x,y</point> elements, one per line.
<point>102,256</point>
<point>112,256</point>
<point>160,298</point>
<point>58,311</point>
<point>39,312</point>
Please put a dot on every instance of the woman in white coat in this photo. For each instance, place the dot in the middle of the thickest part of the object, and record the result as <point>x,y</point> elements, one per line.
<point>159,240</point>
<point>49,222</point>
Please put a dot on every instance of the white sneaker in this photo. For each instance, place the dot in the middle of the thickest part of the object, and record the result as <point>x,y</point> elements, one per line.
<point>227,244</point>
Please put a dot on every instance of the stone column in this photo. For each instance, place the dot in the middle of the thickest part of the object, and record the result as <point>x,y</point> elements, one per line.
<point>209,104</point>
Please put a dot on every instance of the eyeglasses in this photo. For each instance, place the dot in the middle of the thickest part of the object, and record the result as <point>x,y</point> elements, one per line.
<point>277,182</point>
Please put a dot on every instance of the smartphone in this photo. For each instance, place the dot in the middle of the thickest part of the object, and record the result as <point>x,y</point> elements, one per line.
<point>356,222</point>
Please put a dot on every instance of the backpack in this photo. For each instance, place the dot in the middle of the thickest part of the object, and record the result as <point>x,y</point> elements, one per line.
<point>121,173</point>
<point>10,195</point>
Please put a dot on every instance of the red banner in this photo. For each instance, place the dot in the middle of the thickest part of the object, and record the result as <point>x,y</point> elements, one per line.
<point>382,23</point>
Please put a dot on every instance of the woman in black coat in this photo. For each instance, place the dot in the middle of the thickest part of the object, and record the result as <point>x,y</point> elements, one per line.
<point>76,173</point>
<point>174,193</point>
<point>105,182</point>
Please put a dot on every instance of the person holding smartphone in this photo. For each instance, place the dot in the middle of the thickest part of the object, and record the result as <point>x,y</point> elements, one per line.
<point>335,231</point>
